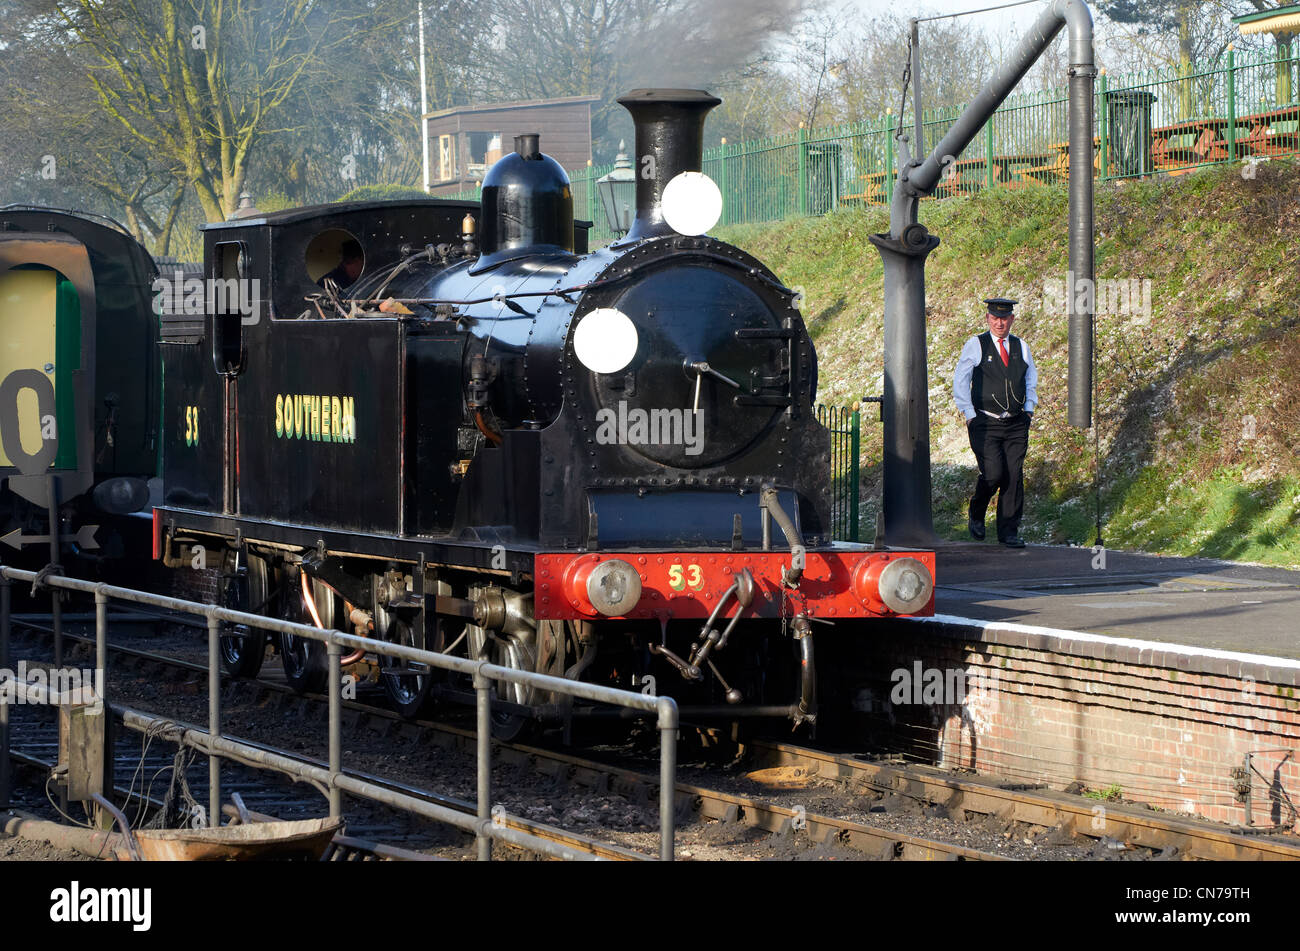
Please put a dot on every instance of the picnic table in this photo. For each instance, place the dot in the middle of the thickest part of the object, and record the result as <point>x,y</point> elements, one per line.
<point>1053,166</point>
<point>873,191</point>
<point>1191,142</point>
<point>1204,141</point>
<point>963,177</point>
<point>1270,133</point>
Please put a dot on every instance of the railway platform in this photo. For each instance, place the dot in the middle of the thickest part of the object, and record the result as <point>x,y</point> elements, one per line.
<point>1196,602</point>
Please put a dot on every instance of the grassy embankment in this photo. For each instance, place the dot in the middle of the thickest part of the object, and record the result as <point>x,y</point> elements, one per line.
<point>1198,406</point>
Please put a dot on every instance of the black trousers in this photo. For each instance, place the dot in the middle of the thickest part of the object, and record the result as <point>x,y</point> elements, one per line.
<point>1000,446</point>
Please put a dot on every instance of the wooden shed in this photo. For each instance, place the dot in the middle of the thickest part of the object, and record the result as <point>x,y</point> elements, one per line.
<point>464,141</point>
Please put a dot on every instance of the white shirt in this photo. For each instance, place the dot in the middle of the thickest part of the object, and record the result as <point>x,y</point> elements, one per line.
<point>966,363</point>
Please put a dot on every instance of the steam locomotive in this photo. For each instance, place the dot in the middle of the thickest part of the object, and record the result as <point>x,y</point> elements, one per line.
<point>452,426</point>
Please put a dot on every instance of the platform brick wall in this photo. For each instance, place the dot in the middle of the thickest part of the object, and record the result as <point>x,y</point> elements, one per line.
<point>1163,722</point>
<point>193,585</point>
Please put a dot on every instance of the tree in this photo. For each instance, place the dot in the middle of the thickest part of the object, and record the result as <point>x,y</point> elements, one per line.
<point>163,112</point>
<point>956,62</point>
<point>203,83</point>
<point>1181,32</point>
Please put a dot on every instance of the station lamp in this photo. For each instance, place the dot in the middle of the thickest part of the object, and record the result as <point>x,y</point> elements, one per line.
<point>618,193</point>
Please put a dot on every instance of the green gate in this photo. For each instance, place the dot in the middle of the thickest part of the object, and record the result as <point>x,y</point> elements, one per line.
<point>845,425</point>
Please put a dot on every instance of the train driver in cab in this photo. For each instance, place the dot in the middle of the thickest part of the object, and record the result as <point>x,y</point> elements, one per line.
<point>349,268</point>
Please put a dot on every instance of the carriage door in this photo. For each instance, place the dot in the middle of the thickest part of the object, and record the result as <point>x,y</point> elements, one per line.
<point>38,308</point>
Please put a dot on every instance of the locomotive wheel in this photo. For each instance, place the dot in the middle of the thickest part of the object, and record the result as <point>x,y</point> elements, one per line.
<point>305,662</point>
<point>508,727</point>
<point>513,645</point>
<point>407,686</point>
<point>244,648</point>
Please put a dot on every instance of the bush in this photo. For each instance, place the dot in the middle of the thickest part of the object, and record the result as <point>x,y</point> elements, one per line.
<point>384,193</point>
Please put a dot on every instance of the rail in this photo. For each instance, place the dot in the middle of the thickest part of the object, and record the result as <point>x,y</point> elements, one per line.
<point>484,826</point>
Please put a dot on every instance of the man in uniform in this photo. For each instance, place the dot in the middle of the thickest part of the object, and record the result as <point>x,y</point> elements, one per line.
<point>996,388</point>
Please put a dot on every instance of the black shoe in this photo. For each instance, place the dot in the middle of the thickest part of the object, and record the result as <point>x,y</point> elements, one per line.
<point>1014,541</point>
<point>976,529</point>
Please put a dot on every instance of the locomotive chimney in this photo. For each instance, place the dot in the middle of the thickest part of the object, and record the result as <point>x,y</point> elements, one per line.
<point>669,141</point>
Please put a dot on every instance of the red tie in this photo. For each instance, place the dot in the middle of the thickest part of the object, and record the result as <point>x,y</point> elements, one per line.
<point>1002,342</point>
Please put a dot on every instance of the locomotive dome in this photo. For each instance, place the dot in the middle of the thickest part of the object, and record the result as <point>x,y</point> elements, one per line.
<point>527,206</point>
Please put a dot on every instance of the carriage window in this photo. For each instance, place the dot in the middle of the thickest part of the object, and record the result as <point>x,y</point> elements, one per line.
<point>335,254</point>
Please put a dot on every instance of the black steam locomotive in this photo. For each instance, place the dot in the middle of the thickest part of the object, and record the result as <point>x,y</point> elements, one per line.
<point>449,425</point>
<point>453,427</point>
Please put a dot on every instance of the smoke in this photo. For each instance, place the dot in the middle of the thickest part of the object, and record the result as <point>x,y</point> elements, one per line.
<point>547,49</point>
<point>696,42</point>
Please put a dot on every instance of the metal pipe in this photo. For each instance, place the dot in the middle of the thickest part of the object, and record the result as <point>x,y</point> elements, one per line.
<point>6,588</point>
<point>788,711</point>
<point>770,500</point>
<point>807,706</point>
<point>483,725</point>
<point>309,604</point>
<point>335,724</point>
<point>96,843</point>
<point>586,691</point>
<point>101,645</point>
<point>667,777</point>
<point>919,125</point>
<point>424,100</point>
<point>56,600</point>
<point>921,180</point>
<point>906,407</point>
<point>588,652</point>
<point>708,635</point>
<point>1082,239</point>
<point>214,720</point>
<point>1248,818</point>
<point>116,813</point>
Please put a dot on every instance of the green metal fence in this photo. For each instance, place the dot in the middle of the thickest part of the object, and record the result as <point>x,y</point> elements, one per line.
<point>1238,108</point>
<point>845,425</point>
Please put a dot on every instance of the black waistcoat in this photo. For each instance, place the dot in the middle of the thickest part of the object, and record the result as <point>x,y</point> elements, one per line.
<point>996,388</point>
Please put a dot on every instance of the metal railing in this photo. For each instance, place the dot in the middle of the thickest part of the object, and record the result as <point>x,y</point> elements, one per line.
<point>845,425</point>
<point>483,825</point>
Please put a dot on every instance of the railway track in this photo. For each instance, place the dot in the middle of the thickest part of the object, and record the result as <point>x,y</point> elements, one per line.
<point>1132,825</point>
<point>692,801</point>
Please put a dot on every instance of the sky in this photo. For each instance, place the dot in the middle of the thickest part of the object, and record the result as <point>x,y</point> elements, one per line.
<point>995,21</point>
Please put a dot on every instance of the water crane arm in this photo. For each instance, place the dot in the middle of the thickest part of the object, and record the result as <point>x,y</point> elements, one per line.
<point>905,408</point>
